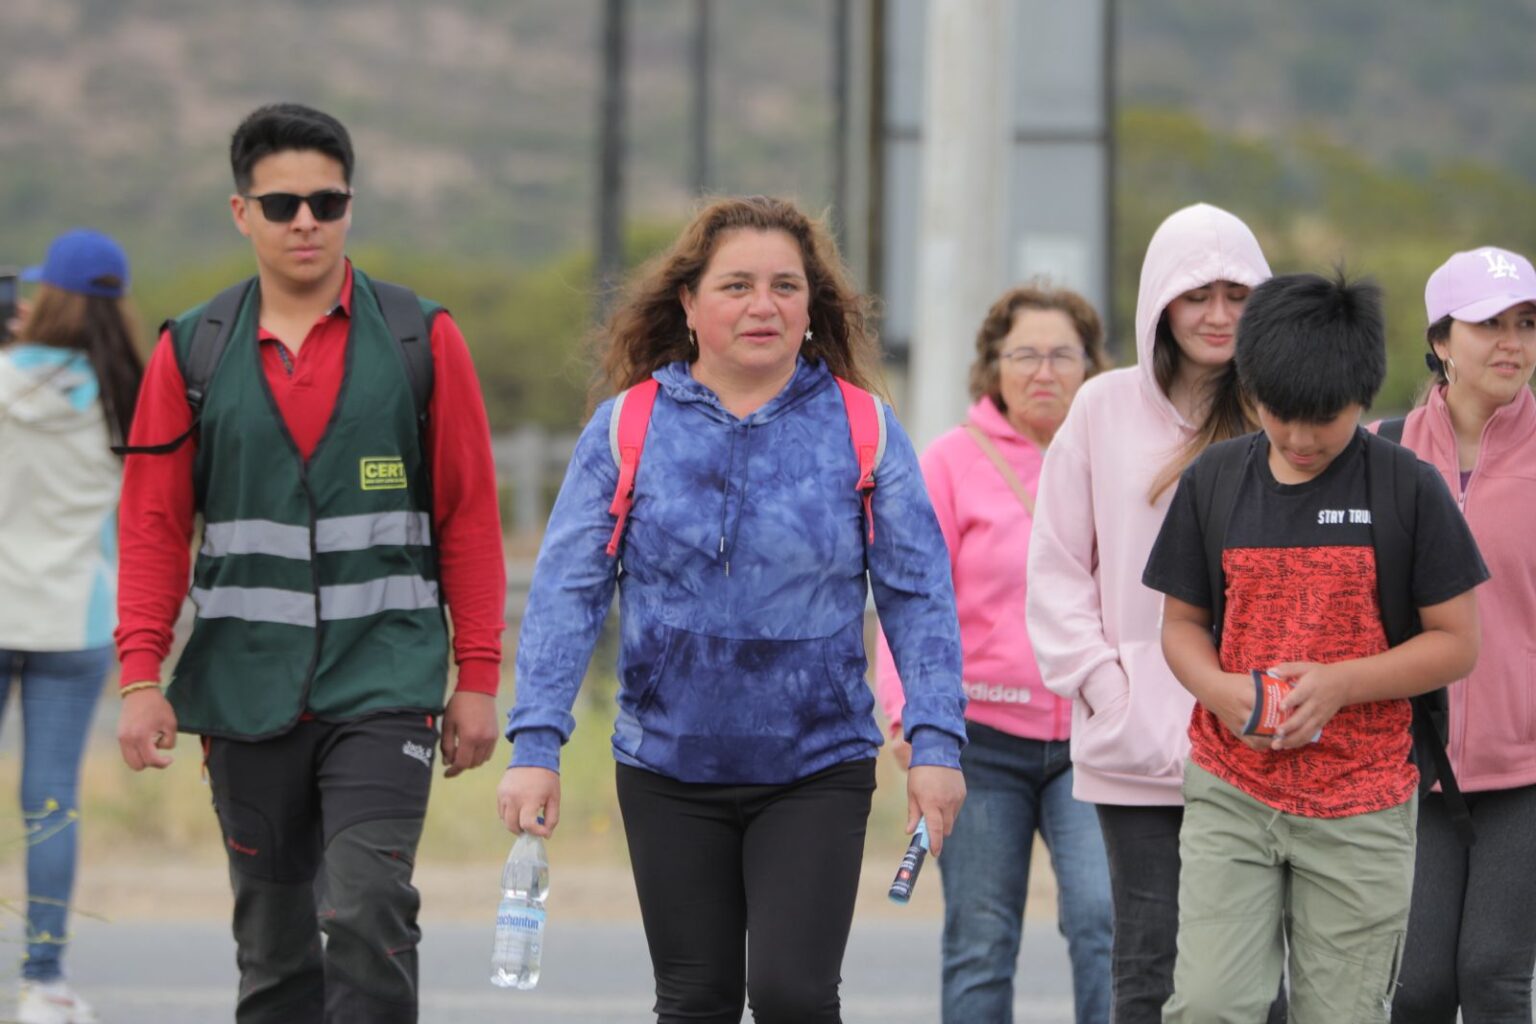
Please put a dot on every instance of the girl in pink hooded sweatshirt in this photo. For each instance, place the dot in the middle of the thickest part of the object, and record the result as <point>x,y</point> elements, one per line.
<point>1105,486</point>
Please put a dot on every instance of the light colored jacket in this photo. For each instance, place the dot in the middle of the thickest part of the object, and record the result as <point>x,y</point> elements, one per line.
<point>58,498</point>
<point>987,530</point>
<point>1095,627</point>
<point>1493,710</point>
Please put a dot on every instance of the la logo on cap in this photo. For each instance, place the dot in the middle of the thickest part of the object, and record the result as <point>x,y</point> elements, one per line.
<point>1499,264</point>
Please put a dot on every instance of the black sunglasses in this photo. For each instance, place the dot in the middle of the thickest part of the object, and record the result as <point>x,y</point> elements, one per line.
<point>282,207</point>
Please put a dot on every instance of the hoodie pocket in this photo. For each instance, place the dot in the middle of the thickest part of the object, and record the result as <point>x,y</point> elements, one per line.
<point>1145,731</point>
<point>745,710</point>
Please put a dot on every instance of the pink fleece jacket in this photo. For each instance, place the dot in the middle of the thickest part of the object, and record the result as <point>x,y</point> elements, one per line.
<point>1096,629</point>
<point>1493,710</point>
<point>987,530</point>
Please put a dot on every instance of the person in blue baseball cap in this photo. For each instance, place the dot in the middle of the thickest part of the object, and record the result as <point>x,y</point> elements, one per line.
<point>68,385</point>
<point>85,262</point>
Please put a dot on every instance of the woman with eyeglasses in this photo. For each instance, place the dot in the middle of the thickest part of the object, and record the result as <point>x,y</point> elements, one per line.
<point>1035,348</point>
<point>67,392</point>
<point>1105,487</point>
<point>1472,926</point>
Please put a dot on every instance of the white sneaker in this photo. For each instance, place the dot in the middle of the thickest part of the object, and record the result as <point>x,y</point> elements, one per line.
<point>52,1002</point>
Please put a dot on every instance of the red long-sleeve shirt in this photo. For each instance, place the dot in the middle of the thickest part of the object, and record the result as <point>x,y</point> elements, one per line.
<point>155,519</point>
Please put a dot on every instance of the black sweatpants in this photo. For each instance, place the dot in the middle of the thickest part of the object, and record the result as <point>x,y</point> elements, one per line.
<point>320,826</point>
<point>1472,927</point>
<point>747,890</point>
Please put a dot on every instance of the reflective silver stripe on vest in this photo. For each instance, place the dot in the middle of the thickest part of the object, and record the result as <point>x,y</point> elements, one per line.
<point>336,533</point>
<point>255,604</point>
<point>392,593</point>
<point>255,537</point>
<point>356,533</point>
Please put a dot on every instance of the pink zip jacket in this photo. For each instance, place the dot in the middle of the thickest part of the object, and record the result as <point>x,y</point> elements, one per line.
<point>987,531</point>
<point>1493,710</point>
<point>1095,627</point>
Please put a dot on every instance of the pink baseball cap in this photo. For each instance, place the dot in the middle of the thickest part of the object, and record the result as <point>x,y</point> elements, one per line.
<point>1473,286</point>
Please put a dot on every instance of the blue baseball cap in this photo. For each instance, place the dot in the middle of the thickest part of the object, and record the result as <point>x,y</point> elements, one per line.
<point>83,261</point>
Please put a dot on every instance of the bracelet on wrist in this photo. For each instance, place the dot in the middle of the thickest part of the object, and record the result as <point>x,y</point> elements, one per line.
<point>135,687</point>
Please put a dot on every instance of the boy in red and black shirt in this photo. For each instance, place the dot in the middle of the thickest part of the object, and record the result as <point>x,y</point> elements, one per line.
<point>1313,825</point>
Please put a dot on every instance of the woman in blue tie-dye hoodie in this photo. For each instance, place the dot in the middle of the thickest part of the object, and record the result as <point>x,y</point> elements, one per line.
<point>745,735</point>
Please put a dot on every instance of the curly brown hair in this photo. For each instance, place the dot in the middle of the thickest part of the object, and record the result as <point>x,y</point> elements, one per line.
<point>648,330</point>
<point>1036,293</point>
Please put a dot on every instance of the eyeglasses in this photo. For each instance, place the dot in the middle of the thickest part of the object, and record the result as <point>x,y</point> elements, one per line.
<point>282,207</point>
<point>1027,360</point>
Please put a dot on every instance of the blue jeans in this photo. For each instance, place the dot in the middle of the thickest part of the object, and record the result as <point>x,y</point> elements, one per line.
<point>58,697</point>
<point>1015,787</point>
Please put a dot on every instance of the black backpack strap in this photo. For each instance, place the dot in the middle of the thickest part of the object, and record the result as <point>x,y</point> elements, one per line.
<point>1392,481</point>
<point>209,339</point>
<point>1392,429</point>
<point>1217,479</point>
<point>1392,476</point>
<point>413,333</point>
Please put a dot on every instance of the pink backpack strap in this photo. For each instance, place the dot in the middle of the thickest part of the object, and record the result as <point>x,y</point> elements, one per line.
<point>626,439</point>
<point>866,426</point>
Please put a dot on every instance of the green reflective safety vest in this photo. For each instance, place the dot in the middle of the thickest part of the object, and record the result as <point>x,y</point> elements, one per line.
<point>316,584</point>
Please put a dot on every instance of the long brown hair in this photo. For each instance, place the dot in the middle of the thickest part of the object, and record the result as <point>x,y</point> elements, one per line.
<point>1037,293</point>
<point>647,329</point>
<point>104,329</point>
<point>1229,411</point>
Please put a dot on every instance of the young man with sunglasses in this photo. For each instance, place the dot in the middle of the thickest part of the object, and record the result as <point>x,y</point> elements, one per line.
<point>336,527</point>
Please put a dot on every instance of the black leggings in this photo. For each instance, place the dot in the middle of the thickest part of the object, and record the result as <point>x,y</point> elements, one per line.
<point>1472,929</point>
<point>1143,848</point>
<point>716,865</point>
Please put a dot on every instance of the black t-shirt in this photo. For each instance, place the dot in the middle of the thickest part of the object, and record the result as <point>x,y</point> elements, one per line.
<point>1301,585</point>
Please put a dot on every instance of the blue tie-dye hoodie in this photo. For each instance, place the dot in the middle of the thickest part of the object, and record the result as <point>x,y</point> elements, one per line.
<point>742,593</point>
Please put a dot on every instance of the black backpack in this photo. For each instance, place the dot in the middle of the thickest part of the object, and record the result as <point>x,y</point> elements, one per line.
<point>1392,477</point>
<point>411,330</point>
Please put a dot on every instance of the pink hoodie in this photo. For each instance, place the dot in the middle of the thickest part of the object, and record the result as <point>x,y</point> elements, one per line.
<point>1493,711</point>
<point>1095,628</point>
<point>987,531</point>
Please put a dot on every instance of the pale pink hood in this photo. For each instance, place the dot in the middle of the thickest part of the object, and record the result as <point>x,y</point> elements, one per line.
<point>1095,628</point>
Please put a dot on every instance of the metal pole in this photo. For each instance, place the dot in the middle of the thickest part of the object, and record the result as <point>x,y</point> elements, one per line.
<point>701,39</point>
<point>961,264</point>
<point>1111,166</point>
<point>842,38</point>
<point>610,189</point>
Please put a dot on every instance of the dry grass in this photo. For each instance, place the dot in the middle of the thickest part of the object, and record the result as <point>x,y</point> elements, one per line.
<point>150,845</point>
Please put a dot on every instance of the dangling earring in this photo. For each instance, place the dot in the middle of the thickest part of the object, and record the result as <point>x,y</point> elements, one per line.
<point>1450,370</point>
<point>693,340</point>
<point>809,335</point>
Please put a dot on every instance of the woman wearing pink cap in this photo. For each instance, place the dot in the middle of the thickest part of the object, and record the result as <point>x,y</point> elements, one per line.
<point>67,391</point>
<point>1472,930</point>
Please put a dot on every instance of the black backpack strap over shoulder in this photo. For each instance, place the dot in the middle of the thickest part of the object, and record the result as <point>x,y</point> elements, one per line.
<point>1392,475</point>
<point>413,333</point>
<point>1392,429</point>
<point>209,339</point>
<point>1217,478</point>
<point>1392,482</point>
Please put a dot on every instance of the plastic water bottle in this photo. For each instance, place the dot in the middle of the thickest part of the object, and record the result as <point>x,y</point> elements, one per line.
<point>520,917</point>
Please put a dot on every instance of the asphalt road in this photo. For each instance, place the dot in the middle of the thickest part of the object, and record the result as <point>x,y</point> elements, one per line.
<point>184,972</point>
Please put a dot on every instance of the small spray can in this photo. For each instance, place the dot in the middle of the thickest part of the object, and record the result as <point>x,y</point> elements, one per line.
<point>911,864</point>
